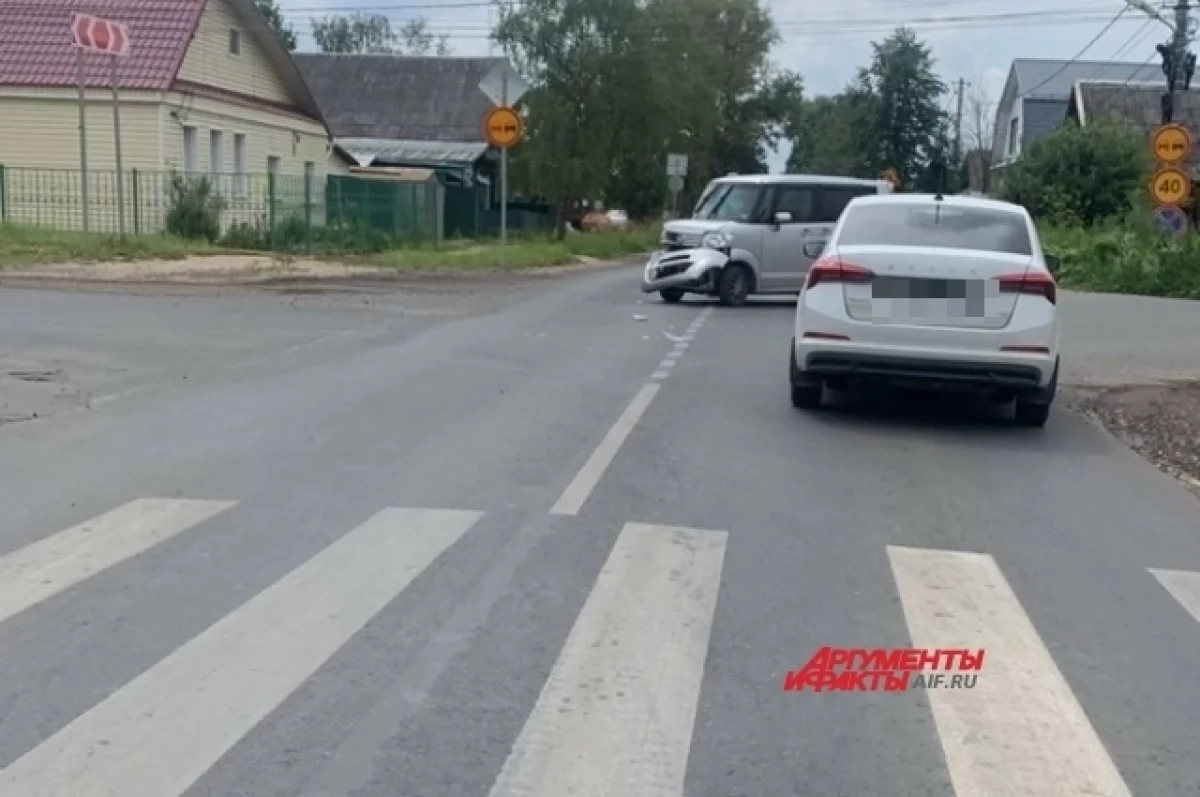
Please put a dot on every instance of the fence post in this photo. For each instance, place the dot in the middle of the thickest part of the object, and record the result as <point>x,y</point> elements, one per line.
<point>137,202</point>
<point>308,211</point>
<point>271,208</point>
<point>3,196</point>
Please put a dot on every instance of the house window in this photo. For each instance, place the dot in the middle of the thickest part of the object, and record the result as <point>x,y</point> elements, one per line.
<point>190,155</point>
<point>310,174</point>
<point>235,41</point>
<point>1013,124</point>
<point>273,165</point>
<point>240,180</point>
<point>216,157</point>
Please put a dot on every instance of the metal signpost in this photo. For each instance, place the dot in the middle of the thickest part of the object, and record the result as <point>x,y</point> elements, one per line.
<point>503,127</point>
<point>92,34</point>
<point>1171,188</point>
<point>677,169</point>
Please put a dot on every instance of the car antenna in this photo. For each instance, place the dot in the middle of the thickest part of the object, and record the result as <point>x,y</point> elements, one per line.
<point>940,168</point>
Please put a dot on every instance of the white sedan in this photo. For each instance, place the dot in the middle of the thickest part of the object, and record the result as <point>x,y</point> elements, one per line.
<point>946,292</point>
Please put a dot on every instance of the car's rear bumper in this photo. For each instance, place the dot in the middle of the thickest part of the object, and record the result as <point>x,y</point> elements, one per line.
<point>1017,373</point>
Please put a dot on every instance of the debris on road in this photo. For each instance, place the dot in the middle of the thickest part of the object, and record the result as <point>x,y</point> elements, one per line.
<point>1159,421</point>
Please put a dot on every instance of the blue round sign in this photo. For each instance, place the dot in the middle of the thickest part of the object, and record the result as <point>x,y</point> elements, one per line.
<point>1173,219</point>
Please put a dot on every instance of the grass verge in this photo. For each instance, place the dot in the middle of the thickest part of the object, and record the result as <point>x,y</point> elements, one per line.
<point>1128,258</point>
<point>28,246</point>
<point>521,253</point>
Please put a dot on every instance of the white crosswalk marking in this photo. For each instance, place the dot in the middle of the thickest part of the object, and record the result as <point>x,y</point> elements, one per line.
<point>1020,732</point>
<point>1184,587</point>
<point>41,570</point>
<point>616,715</point>
<point>163,730</point>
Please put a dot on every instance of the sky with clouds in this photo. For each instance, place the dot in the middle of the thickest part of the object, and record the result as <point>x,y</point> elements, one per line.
<point>826,41</point>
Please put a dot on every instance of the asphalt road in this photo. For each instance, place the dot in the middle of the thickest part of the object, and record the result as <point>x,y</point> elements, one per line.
<point>530,544</point>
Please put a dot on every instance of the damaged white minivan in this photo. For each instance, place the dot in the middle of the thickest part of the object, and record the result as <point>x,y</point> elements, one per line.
<point>751,234</point>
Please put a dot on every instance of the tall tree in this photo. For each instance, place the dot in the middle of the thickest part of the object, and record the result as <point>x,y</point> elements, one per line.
<point>909,127</point>
<point>373,33</point>
<point>274,16</point>
<point>833,136</point>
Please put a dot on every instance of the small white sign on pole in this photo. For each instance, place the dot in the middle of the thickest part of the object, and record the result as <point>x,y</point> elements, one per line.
<point>677,165</point>
<point>502,85</point>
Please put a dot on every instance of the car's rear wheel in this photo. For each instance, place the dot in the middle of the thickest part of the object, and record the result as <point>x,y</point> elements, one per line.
<point>1034,410</point>
<point>733,286</point>
<point>806,397</point>
<point>806,393</point>
<point>1032,414</point>
<point>671,295</point>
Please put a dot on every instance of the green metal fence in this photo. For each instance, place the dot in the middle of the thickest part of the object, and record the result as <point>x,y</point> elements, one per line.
<point>247,210</point>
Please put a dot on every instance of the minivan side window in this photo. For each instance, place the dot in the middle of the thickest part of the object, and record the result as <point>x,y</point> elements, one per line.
<point>797,200</point>
<point>831,200</point>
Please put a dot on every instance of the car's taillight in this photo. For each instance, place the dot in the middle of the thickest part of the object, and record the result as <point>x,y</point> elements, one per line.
<point>1035,282</point>
<point>833,269</point>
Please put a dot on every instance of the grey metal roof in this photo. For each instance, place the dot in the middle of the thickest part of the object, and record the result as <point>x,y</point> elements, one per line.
<point>1054,79</point>
<point>390,151</point>
<point>412,98</point>
<point>1138,106</point>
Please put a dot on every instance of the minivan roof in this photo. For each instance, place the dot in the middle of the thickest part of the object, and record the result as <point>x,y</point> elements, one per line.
<point>796,179</point>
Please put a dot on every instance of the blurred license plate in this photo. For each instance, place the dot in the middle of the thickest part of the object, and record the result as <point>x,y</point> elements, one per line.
<point>925,298</point>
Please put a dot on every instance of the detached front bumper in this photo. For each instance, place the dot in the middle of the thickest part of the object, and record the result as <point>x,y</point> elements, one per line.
<point>693,270</point>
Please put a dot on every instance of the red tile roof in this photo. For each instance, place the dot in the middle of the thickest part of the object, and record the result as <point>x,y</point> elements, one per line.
<point>35,41</point>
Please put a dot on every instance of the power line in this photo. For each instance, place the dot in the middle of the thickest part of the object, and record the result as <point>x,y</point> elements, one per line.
<point>1079,54</point>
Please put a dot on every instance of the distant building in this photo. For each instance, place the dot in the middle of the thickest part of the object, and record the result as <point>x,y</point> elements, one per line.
<point>1037,95</point>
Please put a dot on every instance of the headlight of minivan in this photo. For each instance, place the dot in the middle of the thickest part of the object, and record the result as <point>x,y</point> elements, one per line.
<point>716,240</point>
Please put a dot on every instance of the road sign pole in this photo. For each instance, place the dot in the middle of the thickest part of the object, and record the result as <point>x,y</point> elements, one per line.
<point>83,164</point>
<point>504,180</point>
<point>117,145</point>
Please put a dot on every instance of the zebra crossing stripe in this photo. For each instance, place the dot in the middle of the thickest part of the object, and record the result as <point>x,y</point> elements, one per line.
<point>1183,587</point>
<point>159,733</point>
<point>43,569</point>
<point>617,713</point>
<point>1020,730</point>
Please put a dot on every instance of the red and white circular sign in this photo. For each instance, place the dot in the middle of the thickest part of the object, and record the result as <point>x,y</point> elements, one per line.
<point>100,35</point>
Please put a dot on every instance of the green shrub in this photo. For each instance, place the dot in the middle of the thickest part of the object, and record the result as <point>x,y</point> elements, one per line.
<point>1081,175</point>
<point>1129,257</point>
<point>193,211</point>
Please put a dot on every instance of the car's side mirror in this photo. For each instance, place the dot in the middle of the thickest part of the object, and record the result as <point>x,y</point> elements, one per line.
<point>1053,262</point>
<point>782,217</point>
<point>813,249</point>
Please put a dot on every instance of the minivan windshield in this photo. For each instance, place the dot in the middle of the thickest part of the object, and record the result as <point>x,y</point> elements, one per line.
<point>727,202</point>
<point>937,225</point>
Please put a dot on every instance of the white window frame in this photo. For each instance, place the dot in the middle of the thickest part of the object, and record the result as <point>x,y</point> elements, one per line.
<point>1014,136</point>
<point>191,155</point>
<point>235,41</point>
<point>274,165</point>
<point>241,180</point>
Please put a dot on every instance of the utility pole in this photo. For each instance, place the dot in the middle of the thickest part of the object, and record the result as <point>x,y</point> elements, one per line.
<point>1178,64</point>
<point>962,84</point>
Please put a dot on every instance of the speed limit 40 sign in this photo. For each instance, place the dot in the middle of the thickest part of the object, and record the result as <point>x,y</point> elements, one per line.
<point>1170,186</point>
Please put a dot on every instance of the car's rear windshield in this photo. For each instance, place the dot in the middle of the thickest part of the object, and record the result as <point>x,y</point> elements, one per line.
<point>935,224</point>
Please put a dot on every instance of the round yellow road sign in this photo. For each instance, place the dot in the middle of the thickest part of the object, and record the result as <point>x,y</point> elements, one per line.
<point>1170,186</point>
<point>503,127</point>
<point>1171,143</point>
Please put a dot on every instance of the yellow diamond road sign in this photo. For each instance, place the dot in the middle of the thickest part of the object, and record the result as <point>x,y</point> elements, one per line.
<point>1170,186</point>
<point>1171,144</point>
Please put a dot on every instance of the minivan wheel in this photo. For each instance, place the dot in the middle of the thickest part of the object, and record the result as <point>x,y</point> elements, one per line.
<point>671,295</point>
<point>733,286</point>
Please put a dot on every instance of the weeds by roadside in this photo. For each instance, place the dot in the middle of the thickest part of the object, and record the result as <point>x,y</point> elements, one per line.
<point>1129,257</point>
<point>23,246</point>
<point>32,246</point>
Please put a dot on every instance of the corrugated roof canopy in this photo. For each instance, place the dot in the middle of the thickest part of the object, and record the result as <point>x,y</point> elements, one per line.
<point>380,152</point>
<point>1054,79</point>
<point>398,97</point>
